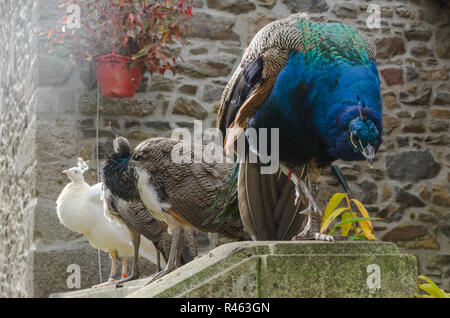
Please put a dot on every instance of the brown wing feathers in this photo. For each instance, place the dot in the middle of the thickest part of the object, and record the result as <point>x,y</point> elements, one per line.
<point>190,188</point>
<point>136,218</point>
<point>251,104</point>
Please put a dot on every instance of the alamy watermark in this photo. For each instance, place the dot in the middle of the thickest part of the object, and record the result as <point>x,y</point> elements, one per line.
<point>213,151</point>
<point>73,20</point>
<point>74,279</point>
<point>374,19</point>
<point>374,279</point>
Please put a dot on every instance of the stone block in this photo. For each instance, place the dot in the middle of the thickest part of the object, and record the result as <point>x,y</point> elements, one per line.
<point>232,6</point>
<point>139,105</point>
<point>412,165</point>
<point>417,34</point>
<point>80,253</point>
<point>442,37</point>
<point>389,46</point>
<point>207,68</point>
<point>412,236</point>
<point>285,269</point>
<point>309,6</point>
<point>392,76</point>
<point>50,281</point>
<point>189,107</point>
<point>440,113</point>
<point>212,93</point>
<point>346,10</point>
<point>269,4</point>
<point>211,27</point>
<point>161,83</point>
<point>188,89</point>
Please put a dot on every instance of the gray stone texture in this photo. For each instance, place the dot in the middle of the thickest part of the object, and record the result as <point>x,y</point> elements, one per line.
<point>48,119</point>
<point>419,165</point>
<point>282,269</point>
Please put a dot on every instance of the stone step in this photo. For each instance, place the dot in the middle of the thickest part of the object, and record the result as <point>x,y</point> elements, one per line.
<point>282,269</point>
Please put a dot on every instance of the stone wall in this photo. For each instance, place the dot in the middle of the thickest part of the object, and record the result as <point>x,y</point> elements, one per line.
<point>408,186</point>
<point>17,135</point>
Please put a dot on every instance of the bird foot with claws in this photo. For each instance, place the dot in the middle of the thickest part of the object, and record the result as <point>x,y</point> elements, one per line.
<point>313,236</point>
<point>111,281</point>
<point>302,187</point>
<point>124,280</point>
<point>159,274</point>
<point>311,230</point>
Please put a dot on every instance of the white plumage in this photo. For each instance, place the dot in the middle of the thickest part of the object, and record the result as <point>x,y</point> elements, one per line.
<point>80,208</point>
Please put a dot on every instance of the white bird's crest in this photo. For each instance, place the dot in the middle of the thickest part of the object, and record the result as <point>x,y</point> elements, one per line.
<point>82,165</point>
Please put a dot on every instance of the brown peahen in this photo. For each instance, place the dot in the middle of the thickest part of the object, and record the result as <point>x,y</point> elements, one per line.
<point>183,195</point>
<point>135,217</point>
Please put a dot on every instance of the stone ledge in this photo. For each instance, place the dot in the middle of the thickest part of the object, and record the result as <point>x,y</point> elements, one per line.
<point>282,269</point>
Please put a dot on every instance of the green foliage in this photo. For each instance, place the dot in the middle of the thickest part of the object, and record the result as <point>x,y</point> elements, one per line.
<point>359,227</point>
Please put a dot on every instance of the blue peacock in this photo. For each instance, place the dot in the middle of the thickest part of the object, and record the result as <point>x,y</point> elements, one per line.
<point>319,84</point>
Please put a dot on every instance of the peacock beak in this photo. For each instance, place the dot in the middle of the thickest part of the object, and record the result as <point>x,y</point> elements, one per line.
<point>65,171</point>
<point>368,152</point>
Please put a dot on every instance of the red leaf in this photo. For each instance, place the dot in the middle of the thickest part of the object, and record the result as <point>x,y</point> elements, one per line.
<point>50,32</point>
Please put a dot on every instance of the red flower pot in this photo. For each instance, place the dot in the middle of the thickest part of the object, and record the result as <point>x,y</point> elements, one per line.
<point>116,75</point>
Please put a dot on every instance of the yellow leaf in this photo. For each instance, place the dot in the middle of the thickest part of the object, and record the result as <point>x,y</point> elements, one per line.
<point>363,211</point>
<point>165,36</point>
<point>366,226</point>
<point>330,219</point>
<point>432,289</point>
<point>332,204</point>
<point>367,231</point>
<point>346,227</point>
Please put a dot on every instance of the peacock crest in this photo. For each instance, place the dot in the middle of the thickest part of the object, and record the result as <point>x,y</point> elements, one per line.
<point>82,165</point>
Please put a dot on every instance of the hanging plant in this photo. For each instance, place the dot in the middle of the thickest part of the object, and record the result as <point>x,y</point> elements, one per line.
<point>123,37</point>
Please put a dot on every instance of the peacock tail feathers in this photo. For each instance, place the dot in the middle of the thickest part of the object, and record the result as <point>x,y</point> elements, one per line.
<point>226,198</point>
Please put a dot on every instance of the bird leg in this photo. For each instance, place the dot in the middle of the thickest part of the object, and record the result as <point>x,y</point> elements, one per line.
<point>311,230</point>
<point>112,278</point>
<point>124,267</point>
<point>158,260</point>
<point>175,252</point>
<point>136,240</point>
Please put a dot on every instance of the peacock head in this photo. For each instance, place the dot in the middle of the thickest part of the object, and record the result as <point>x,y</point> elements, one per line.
<point>120,144</point>
<point>75,174</point>
<point>364,138</point>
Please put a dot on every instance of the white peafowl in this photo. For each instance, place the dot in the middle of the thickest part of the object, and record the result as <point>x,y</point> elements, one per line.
<point>80,209</point>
